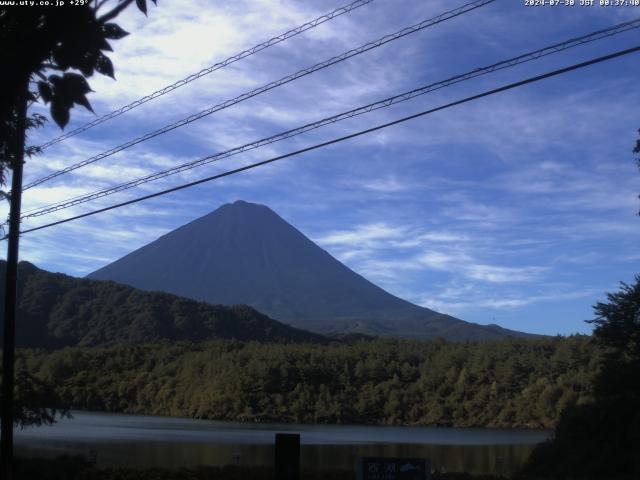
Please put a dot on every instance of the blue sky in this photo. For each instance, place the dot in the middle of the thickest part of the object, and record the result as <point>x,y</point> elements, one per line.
<point>518,209</point>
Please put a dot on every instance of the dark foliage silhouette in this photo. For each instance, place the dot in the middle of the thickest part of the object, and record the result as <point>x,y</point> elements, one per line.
<point>43,49</point>
<point>637,150</point>
<point>602,438</point>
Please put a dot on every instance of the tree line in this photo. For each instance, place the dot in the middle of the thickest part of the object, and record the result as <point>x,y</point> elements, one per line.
<point>507,383</point>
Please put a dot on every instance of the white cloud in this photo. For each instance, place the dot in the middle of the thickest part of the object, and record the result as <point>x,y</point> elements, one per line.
<point>465,265</point>
<point>363,235</point>
<point>468,298</point>
<point>386,185</point>
<point>498,274</point>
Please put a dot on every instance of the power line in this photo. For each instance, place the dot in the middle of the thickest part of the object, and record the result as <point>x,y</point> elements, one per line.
<point>600,34</point>
<point>232,59</point>
<point>270,86</point>
<point>346,137</point>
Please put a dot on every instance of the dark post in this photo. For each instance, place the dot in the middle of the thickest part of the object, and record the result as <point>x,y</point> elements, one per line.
<point>287,461</point>
<point>10,299</point>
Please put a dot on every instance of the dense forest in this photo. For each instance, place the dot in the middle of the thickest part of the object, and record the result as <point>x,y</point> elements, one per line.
<point>508,383</point>
<point>57,310</point>
<point>98,345</point>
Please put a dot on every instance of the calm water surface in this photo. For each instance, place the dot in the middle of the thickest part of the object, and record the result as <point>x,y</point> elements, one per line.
<point>141,441</point>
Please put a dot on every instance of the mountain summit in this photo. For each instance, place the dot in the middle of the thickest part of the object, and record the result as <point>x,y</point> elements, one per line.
<point>244,253</point>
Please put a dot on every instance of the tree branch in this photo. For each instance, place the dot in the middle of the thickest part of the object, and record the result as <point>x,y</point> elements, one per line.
<point>99,4</point>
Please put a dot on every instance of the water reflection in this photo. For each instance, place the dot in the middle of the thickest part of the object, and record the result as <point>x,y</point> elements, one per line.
<point>142,441</point>
<point>498,459</point>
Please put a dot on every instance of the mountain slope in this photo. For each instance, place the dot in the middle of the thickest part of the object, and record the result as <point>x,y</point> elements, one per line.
<point>55,310</point>
<point>245,253</point>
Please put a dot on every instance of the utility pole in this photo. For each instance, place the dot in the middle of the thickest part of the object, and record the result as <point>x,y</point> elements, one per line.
<point>10,295</point>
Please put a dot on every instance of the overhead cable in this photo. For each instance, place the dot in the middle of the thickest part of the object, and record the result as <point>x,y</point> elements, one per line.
<point>346,137</point>
<point>206,71</point>
<point>270,86</point>
<point>527,57</point>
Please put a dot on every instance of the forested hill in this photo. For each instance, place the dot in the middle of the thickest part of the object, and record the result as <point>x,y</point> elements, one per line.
<point>56,310</point>
<point>507,383</point>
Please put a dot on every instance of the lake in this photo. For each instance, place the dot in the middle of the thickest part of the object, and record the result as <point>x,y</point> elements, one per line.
<point>142,441</point>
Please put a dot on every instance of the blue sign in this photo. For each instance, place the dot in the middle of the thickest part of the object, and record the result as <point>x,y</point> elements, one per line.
<point>394,469</point>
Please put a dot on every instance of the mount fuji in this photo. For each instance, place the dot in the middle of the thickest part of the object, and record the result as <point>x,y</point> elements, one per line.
<point>244,253</point>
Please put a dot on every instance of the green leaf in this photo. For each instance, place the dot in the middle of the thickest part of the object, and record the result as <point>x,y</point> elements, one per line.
<point>142,5</point>
<point>104,65</point>
<point>104,45</point>
<point>76,88</point>
<point>55,80</point>
<point>87,63</point>
<point>59,92</point>
<point>113,31</point>
<point>82,100</point>
<point>76,83</point>
<point>36,121</point>
<point>60,113</point>
<point>63,58</point>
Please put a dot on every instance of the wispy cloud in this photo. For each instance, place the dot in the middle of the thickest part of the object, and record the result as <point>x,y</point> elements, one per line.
<point>478,207</point>
<point>462,303</point>
<point>363,235</point>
